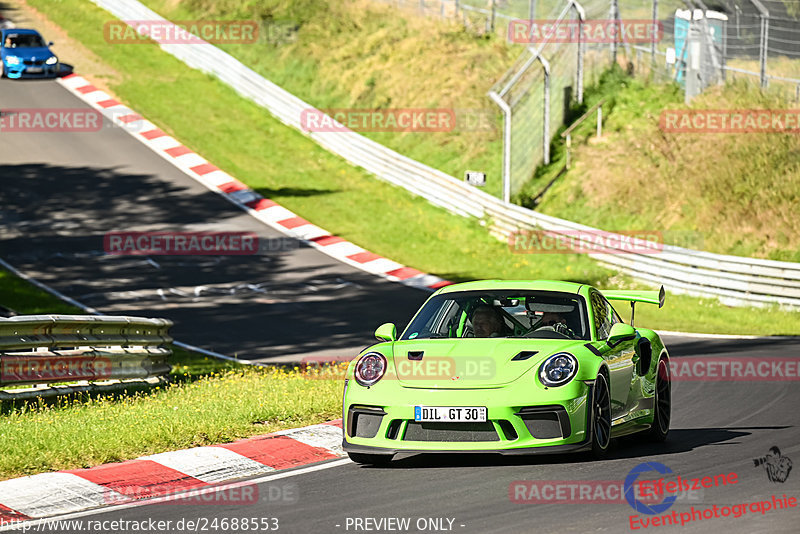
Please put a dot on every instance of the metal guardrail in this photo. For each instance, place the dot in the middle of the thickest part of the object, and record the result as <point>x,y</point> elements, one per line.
<point>42,349</point>
<point>735,280</point>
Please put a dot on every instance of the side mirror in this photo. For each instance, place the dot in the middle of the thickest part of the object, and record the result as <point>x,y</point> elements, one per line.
<point>51,43</point>
<point>386,332</point>
<point>620,332</point>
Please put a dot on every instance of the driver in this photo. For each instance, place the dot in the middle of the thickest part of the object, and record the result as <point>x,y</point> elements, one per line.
<point>555,321</point>
<point>552,319</point>
<point>486,322</point>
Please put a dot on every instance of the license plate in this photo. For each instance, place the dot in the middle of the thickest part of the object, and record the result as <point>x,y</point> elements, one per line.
<point>450,414</point>
<point>34,70</point>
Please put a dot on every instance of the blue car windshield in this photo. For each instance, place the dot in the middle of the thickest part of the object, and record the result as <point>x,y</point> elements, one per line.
<point>501,313</point>
<point>27,40</point>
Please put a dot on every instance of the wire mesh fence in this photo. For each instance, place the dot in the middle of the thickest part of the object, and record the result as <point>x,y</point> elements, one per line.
<point>754,42</point>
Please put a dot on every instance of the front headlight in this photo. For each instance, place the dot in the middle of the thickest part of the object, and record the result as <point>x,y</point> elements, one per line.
<point>370,368</point>
<point>12,60</point>
<point>52,60</point>
<point>558,369</point>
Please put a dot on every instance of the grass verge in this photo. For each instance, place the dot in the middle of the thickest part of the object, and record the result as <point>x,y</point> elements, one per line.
<point>219,408</point>
<point>208,401</point>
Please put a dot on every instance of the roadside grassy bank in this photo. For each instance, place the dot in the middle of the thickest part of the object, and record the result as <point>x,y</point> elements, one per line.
<point>733,192</point>
<point>282,164</point>
<point>209,401</point>
<point>726,193</point>
<point>218,408</point>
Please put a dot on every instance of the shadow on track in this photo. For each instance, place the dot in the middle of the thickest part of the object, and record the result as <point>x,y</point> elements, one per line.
<point>633,446</point>
<point>283,303</point>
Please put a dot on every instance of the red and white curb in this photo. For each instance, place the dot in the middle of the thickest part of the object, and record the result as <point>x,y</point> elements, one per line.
<point>265,210</point>
<point>166,474</point>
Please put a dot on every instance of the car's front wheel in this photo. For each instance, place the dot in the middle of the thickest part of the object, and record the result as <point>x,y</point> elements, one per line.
<point>662,402</point>
<point>601,418</point>
<point>370,459</point>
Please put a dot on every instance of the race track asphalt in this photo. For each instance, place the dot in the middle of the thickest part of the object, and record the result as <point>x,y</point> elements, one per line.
<point>718,428</point>
<point>62,192</point>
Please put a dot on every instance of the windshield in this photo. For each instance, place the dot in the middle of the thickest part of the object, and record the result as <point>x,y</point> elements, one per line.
<point>28,40</point>
<point>501,313</point>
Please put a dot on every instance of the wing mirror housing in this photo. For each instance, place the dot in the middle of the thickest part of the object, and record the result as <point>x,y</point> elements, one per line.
<point>620,332</point>
<point>386,332</point>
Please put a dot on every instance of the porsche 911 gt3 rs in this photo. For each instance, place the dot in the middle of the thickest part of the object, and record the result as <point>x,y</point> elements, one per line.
<point>513,367</point>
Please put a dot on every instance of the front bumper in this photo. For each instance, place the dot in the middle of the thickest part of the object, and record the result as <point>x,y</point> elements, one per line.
<point>30,71</point>
<point>521,420</point>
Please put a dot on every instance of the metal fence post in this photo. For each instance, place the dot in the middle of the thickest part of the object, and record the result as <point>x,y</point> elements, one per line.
<point>546,121</point>
<point>765,52</point>
<point>581,49</point>
<point>599,121</point>
<point>532,9</point>
<point>493,14</point>
<point>764,41</point>
<point>653,42</point>
<point>615,19</point>
<point>569,147</point>
<point>503,105</point>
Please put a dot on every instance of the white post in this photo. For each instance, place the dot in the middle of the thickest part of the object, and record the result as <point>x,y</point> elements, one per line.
<point>503,105</point>
<point>599,121</point>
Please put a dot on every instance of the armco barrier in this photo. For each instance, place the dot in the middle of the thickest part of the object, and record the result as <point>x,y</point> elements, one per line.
<point>41,349</point>
<point>735,280</point>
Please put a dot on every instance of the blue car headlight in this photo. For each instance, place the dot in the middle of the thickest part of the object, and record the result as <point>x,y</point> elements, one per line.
<point>52,60</point>
<point>12,60</point>
<point>558,369</point>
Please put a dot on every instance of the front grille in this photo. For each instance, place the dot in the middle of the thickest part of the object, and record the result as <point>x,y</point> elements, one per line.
<point>450,432</point>
<point>37,62</point>
<point>364,422</point>
<point>394,429</point>
<point>546,422</point>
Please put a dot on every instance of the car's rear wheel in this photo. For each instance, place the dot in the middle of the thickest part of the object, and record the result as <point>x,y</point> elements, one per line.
<point>601,418</point>
<point>662,402</point>
<point>370,459</point>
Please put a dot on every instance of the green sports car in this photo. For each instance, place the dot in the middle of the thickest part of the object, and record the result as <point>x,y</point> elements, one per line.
<point>512,367</point>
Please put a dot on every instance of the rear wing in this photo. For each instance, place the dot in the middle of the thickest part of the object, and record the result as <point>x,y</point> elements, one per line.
<point>632,296</point>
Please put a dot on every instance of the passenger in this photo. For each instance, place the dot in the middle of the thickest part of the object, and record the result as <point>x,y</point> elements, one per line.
<point>487,322</point>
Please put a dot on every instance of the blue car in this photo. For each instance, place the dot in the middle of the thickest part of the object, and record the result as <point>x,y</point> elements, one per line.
<point>25,53</point>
